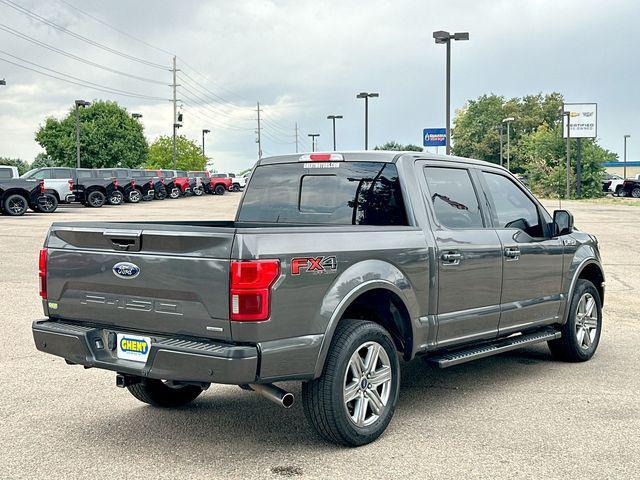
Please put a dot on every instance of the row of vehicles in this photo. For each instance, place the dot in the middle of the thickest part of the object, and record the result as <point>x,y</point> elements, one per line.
<point>17,195</point>
<point>114,186</point>
<point>621,187</point>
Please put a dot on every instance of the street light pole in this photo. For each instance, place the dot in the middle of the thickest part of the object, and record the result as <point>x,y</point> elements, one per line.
<point>313,140</point>
<point>79,103</point>
<point>563,114</point>
<point>508,121</point>
<point>3,81</point>
<point>366,96</point>
<point>204,131</point>
<point>333,119</point>
<point>176,126</point>
<point>136,116</point>
<point>445,37</point>
<point>501,156</point>
<point>624,175</point>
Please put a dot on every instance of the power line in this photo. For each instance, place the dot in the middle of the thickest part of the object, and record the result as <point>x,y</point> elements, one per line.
<point>127,34</point>
<point>76,80</point>
<point>231,92</point>
<point>28,38</point>
<point>214,121</point>
<point>221,100</point>
<point>60,28</point>
<point>196,104</point>
<point>204,102</point>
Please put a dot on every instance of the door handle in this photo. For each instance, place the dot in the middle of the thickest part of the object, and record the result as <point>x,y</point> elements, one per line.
<point>512,253</point>
<point>451,258</point>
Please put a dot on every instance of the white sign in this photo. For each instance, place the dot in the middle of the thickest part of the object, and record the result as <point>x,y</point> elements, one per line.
<point>584,120</point>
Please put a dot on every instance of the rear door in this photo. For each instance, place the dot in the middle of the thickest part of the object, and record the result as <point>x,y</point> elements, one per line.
<point>469,255</point>
<point>141,277</point>
<point>532,259</point>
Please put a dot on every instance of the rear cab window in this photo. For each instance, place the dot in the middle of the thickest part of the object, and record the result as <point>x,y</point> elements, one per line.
<point>6,173</point>
<point>340,193</point>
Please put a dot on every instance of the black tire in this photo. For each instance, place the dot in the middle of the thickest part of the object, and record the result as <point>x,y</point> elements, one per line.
<point>635,193</point>
<point>620,192</point>
<point>160,194</point>
<point>95,199</point>
<point>116,198</point>
<point>175,193</point>
<point>15,205</point>
<point>219,190</point>
<point>568,348</point>
<point>235,187</point>
<point>135,196</point>
<point>158,394</point>
<point>198,191</point>
<point>48,205</point>
<point>323,398</point>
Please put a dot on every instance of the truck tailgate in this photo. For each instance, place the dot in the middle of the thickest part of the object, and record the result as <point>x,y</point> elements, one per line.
<point>141,277</point>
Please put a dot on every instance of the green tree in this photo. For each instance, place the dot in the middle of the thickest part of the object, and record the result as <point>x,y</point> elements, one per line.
<point>109,137</point>
<point>43,160</point>
<point>395,146</point>
<point>188,154</point>
<point>21,165</point>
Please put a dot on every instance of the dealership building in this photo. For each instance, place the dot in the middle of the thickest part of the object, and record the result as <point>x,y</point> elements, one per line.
<point>633,168</point>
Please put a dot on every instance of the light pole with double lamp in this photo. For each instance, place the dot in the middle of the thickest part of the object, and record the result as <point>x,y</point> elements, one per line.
<point>508,121</point>
<point>79,103</point>
<point>445,37</point>
<point>366,96</point>
<point>204,132</point>
<point>136,116</point>
<point>333,119</point>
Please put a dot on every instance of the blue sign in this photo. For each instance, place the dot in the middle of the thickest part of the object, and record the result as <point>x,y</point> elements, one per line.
<point>434,137</point>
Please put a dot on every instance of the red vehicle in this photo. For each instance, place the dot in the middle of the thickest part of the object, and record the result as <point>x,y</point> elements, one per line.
<point>180,180</point>
<point>219,185</point>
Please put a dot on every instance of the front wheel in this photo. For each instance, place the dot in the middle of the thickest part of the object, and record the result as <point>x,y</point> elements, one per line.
<point>95,199</point>
<point>354,399</point>
<point>159,394</point>
<point>15,205</point>
<point>635,193</point>
<point>235,187</point>
<point>620,192</point>
<point>581,332</point>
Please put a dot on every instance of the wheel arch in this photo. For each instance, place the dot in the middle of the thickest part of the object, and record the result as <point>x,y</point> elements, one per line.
<point>388,299</point>
<point>588,269</point>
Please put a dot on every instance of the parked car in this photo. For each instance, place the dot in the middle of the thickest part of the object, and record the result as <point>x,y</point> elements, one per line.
<point>612,183</point>
<point>169,188</point>
<point>219,183</point>
<point>359,259</point>
<point>126,183</point>
<point>17,195</point>
<point>147,183</point>
<point>57,182</point>
<point>180,180</point>
<point>630,188</point>
<point>8,171</point>
<point>115,195</point>
<point>203,180</point>
<point>236,182</point>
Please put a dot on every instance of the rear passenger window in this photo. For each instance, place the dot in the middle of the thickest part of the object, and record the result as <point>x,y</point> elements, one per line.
<point>453,197</point>
<point>513,208</point>
<point>61,174</point>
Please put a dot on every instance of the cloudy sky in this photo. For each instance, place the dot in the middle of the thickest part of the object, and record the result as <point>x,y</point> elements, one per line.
<point>304,60</point>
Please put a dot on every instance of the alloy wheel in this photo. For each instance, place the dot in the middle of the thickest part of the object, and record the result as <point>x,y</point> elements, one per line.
<point>586,321</point>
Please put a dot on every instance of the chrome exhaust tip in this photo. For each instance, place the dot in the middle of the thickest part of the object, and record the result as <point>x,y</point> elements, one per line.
<point>275,394</point>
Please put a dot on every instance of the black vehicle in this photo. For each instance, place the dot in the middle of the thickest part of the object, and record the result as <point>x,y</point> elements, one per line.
<point>169,178</point>
<point>204,181</point>
<point>630,188</point>
<point>93,190</point>
<point>17,195</point>
<point>146,184</point>
<point>126,184</point>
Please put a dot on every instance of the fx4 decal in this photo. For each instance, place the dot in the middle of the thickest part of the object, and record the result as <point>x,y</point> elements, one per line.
<point>315,265</point>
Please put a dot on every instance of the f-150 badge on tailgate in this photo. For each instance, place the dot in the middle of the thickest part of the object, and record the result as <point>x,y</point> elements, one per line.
<point>126,270</point>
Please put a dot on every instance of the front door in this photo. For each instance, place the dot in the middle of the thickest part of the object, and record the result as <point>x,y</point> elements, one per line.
<point>532,259</point>
<point>469,256</point>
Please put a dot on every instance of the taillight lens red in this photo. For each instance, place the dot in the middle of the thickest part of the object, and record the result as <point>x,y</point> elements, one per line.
<point>250,289</point>
<point>115,183</point>
<point>41,186</point>
<point>133,183</point>
<point>71,185</point>
<point>42,272</point>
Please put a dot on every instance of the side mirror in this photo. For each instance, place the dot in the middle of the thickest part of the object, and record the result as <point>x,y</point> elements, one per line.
<point>563,222</point>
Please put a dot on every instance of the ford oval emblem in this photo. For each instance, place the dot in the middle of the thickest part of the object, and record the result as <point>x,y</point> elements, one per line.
<point>126,270</point>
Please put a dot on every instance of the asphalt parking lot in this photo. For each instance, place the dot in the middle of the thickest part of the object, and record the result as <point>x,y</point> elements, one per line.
<point>518,415</point>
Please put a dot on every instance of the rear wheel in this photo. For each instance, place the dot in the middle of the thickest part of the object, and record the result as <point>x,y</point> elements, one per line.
<point>48,204</point>
<point>116,198</point>
<point>175,193</point>
<point>352,402</point>
<point>235,187</point>
<point>95,199</point>
<point>219,190</point>
<point>620,192</point>
<point>635,193</point>
<point>581,332</point>
<point>198,191</point>
<point>159,394</point>
<point>15,205</point>
<point>160,194</point>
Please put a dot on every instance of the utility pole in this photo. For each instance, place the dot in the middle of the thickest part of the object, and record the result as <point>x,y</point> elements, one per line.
<point>578,168</point>
<point>175,111</point>
<point>259,139</point>
<point>567,114</point>
<point>79,103</point>
<point>501,156</point>
<point>204,131</point>
<point>296,137</point>
<point>624,174</point>
<point>508,121</point>
<point>333,119</point>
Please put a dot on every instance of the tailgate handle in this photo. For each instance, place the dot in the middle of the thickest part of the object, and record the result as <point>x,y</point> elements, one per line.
<point>124,241</point>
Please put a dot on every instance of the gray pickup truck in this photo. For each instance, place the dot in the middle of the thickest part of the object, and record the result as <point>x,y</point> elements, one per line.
<point>337,266</point>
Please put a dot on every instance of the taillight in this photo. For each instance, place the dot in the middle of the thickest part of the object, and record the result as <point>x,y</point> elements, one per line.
<point>250,289</point>
<point>162,180</point>
<point>321,157</point>
<point>151,183</point>
<point>115,183</point>
<point>71,185</point>
<point>41,186</point>
<point>133,183</point>
<point>42,272</point>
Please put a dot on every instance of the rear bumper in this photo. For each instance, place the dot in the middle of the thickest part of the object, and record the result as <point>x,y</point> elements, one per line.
<point>169,358</point>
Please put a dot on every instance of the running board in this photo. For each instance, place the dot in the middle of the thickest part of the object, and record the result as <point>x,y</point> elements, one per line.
<point>499,346</point>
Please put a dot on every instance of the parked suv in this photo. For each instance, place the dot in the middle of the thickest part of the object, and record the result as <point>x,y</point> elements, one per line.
<point>220,183</point>
<point>336,266</point>
<point>180,180</point>
<point>235,184</point>
<point>126,183</point>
